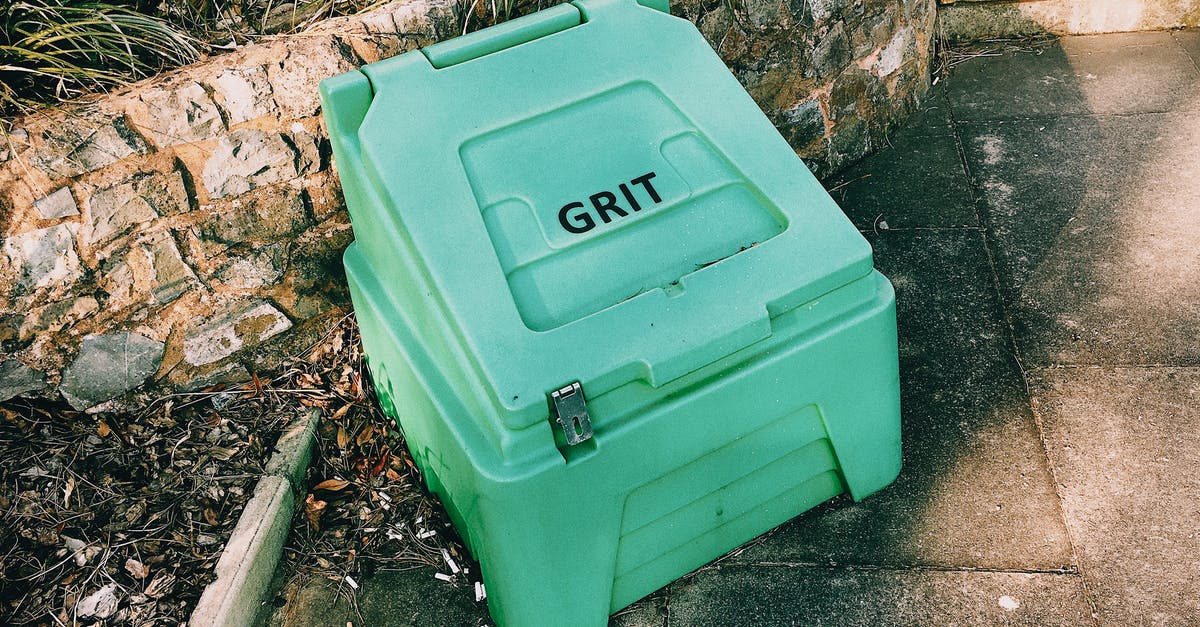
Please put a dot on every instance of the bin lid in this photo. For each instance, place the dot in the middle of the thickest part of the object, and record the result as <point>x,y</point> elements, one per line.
<point>597,199</point>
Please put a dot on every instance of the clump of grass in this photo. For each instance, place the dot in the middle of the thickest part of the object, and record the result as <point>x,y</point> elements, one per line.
<point>58,49</point>
<point>475,15</point>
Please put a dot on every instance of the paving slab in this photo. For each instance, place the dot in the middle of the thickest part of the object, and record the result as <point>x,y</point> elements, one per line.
<point>1126,446</point>
<point>776,596</point>
<point>1190,40</point>
<point>1093,222</point>
<point>1036,80</point>
<point>649,612</point>
<point>917,181</point>
<point>1111,74</point>
<point>975,489</point>
<point>1133,72</point>
<point>931,117</point>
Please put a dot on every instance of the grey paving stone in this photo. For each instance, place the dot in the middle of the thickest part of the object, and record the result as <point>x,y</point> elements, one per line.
<point>1036,81</point>
<point>1094,227</point>
<point>975,490</point>
<point>931,117</point>
<point>918,181</point>
<point>1126,445</point>
<point>1133,72</point>
<point>649,612</point>
<point>1121,73</point>
<point>1190,40</point>
<point>779,596</point>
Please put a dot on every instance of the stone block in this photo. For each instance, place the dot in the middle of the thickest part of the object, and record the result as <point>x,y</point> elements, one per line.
<point>306,62</point>
<point>250,158</point>
<point>258,269</point>
<point>275,214</point>
<point>16,379</point>
<point>804,123</point>
<point>82,145</point>
<point>895,52</point>
<point>764,13</point>
<point>194,379</point>
<point>874,28</point>
<point>178,114</point>
<point>40,259</point>
<point>53,317</point>
<point>238,324</point>
<point>244,94</point>
<point>12,143</point>
<point>108,366</point>
<point>171,276</point>
<point>829,56</point>
<point>117,209</point>
<point>57,204</point>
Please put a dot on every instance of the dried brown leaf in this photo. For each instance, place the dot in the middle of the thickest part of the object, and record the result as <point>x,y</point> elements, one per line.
<point>313,509</point>
<point>136,569</point>
<point>331,485</point>
<point>364,436</point>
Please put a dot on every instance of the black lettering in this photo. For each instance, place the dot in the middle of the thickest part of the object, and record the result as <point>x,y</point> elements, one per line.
<point>578,223</point>
<point>644,181</point>
<point>629,198</point>
<point>609,205</point>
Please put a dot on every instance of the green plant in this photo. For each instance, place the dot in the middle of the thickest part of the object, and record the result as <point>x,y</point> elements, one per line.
<point>56,49</point>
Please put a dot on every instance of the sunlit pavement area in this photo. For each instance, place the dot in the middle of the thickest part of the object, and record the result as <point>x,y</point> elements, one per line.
<point>1040,219</point>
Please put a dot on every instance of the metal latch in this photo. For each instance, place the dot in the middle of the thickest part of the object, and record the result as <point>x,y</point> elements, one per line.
<point>569,410</point>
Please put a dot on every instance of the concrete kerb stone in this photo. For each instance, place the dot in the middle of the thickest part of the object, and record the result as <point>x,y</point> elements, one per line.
<point>248,563</point>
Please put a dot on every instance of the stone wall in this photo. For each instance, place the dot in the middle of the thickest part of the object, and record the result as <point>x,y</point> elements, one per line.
<point>969,20</point>
<point>187,231</point>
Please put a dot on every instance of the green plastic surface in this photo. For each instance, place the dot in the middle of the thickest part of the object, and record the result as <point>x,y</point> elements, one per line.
<point>586,194</point>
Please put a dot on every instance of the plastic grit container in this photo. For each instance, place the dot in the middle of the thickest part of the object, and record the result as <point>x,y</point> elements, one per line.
<point>623,328</point>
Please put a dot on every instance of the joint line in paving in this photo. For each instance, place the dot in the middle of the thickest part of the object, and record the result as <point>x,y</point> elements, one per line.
<point>1175,38</point>
<point>981,216</point>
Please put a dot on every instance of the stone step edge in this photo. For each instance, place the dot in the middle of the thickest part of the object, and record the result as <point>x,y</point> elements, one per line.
<point>250,557</point>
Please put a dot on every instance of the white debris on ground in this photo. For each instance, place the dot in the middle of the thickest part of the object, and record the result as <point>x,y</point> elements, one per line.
<point>100,604</point>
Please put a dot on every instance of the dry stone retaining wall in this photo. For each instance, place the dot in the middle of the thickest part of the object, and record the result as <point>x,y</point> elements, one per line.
<point>188,230</point>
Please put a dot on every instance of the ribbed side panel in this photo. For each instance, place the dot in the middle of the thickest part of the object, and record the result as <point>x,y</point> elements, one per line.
<point>699,511</point>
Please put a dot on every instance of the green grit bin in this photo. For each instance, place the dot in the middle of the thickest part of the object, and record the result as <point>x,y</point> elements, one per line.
<point>621,325</point>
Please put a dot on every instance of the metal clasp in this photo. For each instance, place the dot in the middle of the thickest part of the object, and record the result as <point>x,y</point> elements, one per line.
<point>569,410</point>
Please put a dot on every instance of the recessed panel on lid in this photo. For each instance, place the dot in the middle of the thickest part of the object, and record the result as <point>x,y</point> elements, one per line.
<point>614,195</point>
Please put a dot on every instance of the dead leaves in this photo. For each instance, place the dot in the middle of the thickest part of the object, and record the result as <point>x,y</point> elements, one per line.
<point>134,499</point>
<point>331,485</point>
<point>136,569</point>
<point>365,508</point>
<point>313,509</point>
